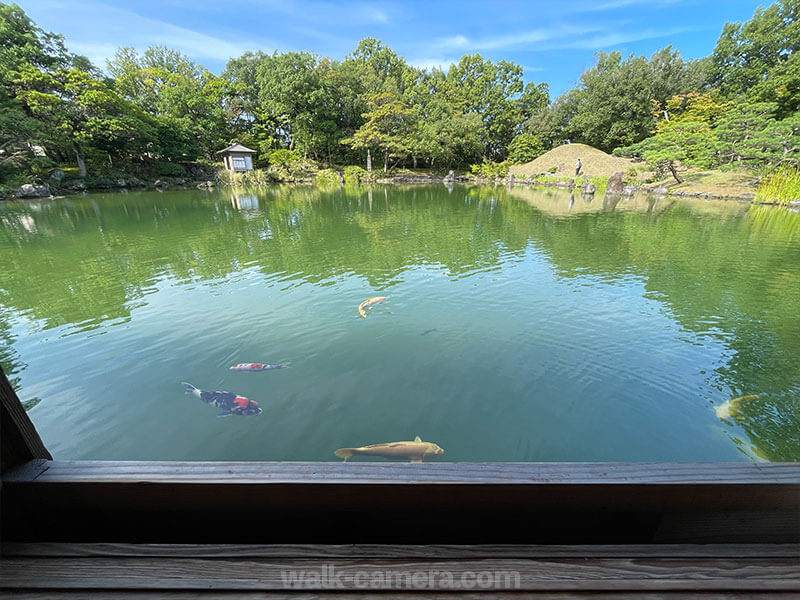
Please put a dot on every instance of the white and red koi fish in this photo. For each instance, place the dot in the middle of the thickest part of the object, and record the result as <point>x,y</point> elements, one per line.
<point>257,367</point>
<point>228,403</point>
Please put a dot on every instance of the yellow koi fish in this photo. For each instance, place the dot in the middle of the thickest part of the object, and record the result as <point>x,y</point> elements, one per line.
<point>730,408</point>
<point>368,304</point>
<point>416,450</point>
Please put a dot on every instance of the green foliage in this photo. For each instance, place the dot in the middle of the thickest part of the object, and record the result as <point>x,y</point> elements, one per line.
<point>260,177</point>
<point>489,170</point>
<point>782,185</point>
<point>327,178</point>
<point>41,165</point>
<point>613,105</point>
<point>524,148</point>
<point>388,127</point>
<point>750,54</point>
<point>161,106</point>
<point>170,169</point>
<point>354,174</point>
<point>284,158</point>
<point>232,178</point>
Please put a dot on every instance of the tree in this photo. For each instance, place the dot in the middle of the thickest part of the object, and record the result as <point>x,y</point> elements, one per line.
<point>295,92</point>
<point>388,127</point>
<point>749,133</point>
<point>613,105</point>
<point>524,148</point>
<point>746,54</point>
<point>166,84</point>
<point>495,92</point>
<point>77,110</point>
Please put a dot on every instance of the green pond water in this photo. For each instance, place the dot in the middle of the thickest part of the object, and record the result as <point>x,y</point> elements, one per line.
<point>518,326</point>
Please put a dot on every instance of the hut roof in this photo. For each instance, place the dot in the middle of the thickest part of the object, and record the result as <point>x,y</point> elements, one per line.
<point>236,147</point>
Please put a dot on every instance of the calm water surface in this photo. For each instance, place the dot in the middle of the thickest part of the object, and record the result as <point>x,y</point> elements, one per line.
<point>555,329</point>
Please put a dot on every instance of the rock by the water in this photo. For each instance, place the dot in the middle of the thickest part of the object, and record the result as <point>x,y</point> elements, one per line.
<point>659,191</point>
<point>588,188</point>
<point>511,178</point>
<point>449,177</point>
<point>158,183</point>
<point>76,185</point>
<point>103,182</point>
<point>57,175</point>
<point>615,184</point>
<point>31,190</point>
<point>629,190</point>
<point>206,185</point>
<point>750,196</point>
<point>180,181</point>
<point>121,183</point>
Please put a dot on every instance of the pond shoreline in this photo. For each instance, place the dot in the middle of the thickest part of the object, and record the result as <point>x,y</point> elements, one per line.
<point>403,180</point>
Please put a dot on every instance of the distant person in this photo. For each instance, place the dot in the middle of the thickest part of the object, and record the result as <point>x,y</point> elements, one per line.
<point>578,166</point>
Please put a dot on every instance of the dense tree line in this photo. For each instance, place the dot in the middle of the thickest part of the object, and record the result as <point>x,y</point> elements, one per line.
<point>157,107</point>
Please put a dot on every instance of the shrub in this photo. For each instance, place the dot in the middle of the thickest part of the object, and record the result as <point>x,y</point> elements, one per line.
<point>490,169</point>
<point>552,169</point>
<point>355,174</point>
<point>170,169</point>
<point>524,148</point>
<point>260,177</point>
<point>283,158</point>
<point>327,177</point>
<point>41,165</point>
<point>231,178</point>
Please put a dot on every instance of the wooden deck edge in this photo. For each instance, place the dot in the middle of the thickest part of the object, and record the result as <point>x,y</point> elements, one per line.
<point>539,474</point>
<point>435,551</point>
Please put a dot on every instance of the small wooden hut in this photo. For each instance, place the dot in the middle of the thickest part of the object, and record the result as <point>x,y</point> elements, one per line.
<point>237,157</point>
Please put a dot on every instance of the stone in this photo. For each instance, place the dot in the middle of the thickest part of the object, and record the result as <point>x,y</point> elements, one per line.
<point>588,189</point>
<point>794,203</point>
<point>451,177</point>
<point>629,190</point>
<point>76,185</point>
<point>180,181</point>
<point>659,191</point>
<point>121,183</point>
<point>57,175</point>
<point>159,184</point>
<point>511,180</point>
<point>103,183</point>
<point>31,190</point>
<point>747,196</point>
<point>615,184</point>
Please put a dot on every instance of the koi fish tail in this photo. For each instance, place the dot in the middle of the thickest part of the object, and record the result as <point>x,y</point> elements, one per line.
<point>345,453</point>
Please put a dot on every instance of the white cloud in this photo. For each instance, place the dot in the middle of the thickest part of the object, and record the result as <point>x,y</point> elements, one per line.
<point>109,27</point>
<point>535,36</point>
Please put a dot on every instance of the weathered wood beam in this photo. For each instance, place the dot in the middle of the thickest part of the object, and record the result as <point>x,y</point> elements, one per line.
<point>19,440</point>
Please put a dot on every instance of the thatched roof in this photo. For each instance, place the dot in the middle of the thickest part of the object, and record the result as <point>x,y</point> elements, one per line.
<point>236,147</point>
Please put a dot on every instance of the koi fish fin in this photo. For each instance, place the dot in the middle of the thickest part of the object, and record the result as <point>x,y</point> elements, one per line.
<point>417,439</point>
<point>189,388</point>
<point>416,460</point>
<point>344,453</point>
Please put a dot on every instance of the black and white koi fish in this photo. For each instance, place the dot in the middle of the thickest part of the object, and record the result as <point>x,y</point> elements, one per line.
<point>226,402</point>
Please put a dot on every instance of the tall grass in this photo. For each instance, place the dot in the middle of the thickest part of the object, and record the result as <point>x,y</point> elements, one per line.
<point>781,186</point>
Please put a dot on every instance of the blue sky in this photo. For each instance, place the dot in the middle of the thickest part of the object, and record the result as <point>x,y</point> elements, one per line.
<point>553,41</point>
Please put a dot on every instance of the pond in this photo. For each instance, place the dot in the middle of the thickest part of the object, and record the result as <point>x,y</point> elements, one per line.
<point>517,325</point>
